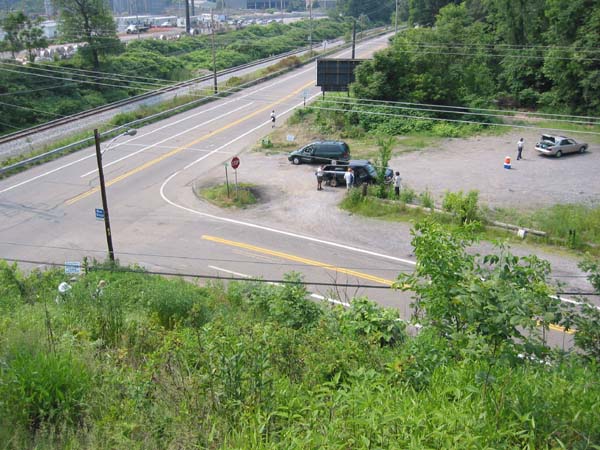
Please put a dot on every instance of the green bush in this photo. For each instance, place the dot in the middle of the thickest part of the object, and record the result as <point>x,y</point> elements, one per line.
<point>407,195</point>
<point>378,325</point>
<point>426,199</point>
<point>44,389</point>
<point>463,207</point>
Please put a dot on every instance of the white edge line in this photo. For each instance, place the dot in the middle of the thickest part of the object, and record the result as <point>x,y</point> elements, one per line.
<point>29,180</point>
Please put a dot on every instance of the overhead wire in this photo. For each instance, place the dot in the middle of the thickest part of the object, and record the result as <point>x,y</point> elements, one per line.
<point>240,278</point>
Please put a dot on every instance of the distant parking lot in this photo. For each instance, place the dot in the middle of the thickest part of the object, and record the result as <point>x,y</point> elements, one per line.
<point>477,163</point>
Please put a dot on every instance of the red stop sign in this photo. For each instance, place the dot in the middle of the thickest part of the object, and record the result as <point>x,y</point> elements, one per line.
<point>235,162</point>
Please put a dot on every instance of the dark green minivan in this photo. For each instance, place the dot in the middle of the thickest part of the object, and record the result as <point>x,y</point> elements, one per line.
<point>322,152</point>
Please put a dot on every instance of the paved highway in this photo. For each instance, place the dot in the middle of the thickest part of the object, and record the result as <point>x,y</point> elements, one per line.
<point>157,222</point>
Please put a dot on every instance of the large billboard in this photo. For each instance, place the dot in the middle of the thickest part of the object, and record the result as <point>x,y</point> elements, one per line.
<point>336,74</point>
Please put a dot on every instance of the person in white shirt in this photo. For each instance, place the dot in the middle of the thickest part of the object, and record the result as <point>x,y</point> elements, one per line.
<point>349,178</point>
<point>397,184</point>
<point>273,119</point>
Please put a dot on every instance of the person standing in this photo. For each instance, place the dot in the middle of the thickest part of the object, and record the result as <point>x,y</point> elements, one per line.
<point>349,178</point>
<point>319,174</point>
<point>520,149</point>
<point>273,119</point>
<point>397,184</point>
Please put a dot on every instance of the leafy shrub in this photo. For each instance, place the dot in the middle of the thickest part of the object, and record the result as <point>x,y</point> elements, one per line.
<point>378,325</point>
<point>426,199</point>
<point>39,388</point>
<point>177,303</point>
<point>463,207</point>
<point>407,195</point>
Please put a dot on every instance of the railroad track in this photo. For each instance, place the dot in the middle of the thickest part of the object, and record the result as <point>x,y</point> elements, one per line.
<point>120,103</point>
<point>174,87</point>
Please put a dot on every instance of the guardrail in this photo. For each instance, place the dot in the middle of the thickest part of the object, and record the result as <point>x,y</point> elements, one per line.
<point>46,155</point>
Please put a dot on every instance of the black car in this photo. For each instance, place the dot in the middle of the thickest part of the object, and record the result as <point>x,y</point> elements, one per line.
<point>364,172</point>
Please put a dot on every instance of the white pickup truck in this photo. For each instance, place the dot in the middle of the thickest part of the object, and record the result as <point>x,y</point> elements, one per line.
<point>135,29</point>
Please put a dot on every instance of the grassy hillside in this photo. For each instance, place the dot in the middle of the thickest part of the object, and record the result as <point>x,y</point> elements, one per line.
<point>129,360</point>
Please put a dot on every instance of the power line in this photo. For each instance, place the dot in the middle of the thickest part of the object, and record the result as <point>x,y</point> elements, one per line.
<point>235,278</point>
<point>472,122</point>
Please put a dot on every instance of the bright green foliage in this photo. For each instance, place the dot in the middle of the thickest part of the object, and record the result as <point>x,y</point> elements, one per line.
<point>463,207</point>
<point>385,144</point>
<point>497,303</point>
<point>253,365</point>
<point>380,326</point>
<point>44,389</point>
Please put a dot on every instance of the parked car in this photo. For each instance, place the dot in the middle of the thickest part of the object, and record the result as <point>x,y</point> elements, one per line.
<point>322,152</point>
<point>364,172</point>
<point>134,29</point>
<point>559,145</point>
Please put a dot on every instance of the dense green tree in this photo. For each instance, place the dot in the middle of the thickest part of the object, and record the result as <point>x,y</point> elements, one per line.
<point>423,12</point>
<point>90,21</point>
<point>375,10</point>
<point>23,33</point>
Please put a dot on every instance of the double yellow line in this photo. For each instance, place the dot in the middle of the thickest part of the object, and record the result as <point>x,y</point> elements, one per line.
<point>185,146</point>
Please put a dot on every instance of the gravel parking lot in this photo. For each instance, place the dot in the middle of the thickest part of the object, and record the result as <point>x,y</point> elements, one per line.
<point>477,163</point>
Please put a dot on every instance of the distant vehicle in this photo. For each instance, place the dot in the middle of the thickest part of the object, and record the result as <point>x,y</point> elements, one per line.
<point>322,152</point>
<point>364,172</point>
<point>135,29</point>
<point>559,145</point>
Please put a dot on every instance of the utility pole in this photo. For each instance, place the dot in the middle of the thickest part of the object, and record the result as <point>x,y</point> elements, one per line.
<point>310,26</point>
<point>214,57</point>
<point>187,17</point>
<point>396,20</point>
<point>111,253</point>
<point>193,7</point>
<point>353,37</point>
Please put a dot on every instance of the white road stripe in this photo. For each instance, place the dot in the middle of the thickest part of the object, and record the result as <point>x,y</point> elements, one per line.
<point>168,138</point>
<point>313,295</point>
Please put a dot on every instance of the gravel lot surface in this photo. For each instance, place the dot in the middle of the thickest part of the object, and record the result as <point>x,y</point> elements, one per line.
<point>477,163</point>
<point>289,199</point>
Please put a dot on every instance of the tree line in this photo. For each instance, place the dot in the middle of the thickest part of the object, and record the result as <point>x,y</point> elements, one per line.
<point>539,54</point>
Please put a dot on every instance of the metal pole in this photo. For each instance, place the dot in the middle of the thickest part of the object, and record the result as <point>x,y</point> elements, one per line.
<point>193,7</point>
<point>310,27</point>
<point>353,37</point>
<point>227,180</point>
<point>396,20</point>
<point>187,17</point>
<point>214,57</point>
<point>111,253</point>
<point>236,184</point>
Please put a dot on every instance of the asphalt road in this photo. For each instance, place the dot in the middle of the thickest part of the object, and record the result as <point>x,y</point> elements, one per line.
<point>48,212</point>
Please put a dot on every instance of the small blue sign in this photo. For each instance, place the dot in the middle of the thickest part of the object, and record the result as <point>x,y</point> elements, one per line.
<point>72,267</point>
<point>99,214</point>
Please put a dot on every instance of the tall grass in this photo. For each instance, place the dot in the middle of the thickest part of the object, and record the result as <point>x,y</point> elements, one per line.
<point>252,365</point>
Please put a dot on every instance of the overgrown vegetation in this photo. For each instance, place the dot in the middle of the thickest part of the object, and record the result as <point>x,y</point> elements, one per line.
<point>126,359</point>
<point>570,226</point>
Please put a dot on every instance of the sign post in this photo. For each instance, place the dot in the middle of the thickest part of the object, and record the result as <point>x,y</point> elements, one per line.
<point>226,179</point>
<point>235,163</point>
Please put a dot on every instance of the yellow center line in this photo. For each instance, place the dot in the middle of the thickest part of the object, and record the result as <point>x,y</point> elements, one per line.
<point>185,146</point>
<point>299,259</point>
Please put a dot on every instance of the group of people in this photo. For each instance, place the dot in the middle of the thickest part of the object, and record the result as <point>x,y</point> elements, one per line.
<point>349,179</point>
